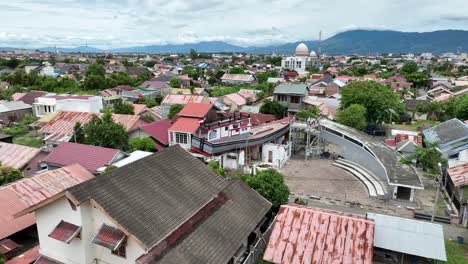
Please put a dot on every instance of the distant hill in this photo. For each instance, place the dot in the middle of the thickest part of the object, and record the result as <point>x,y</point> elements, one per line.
<point>373,41</point>
<point>349,42</point>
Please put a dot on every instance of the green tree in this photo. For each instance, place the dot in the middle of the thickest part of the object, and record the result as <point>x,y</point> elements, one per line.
<point>214,165</point>
<point>236,70</point>
<point>124,109</point>
<point>193,54</point>
<point>174,83</point>
<point>95,82</point>
<point>270,184</point>
<point>119,78</point>
<point>148,102</point>
<point>96,69</point>
<point>158,99</point>
<point>273,108</point>
<point>352,116</point>
<point>377,98</point>
<point>409,68</point>
<point>105,132</point>
<point>9,174</point>
<point>212,80</point>
<point>78,134</point>
<point>419,79</point>
<point>304,114</point>
<point>144,144</point>
<point>174,110</point>
<point>427,158</point>
<point>461,107</point>
<point>262,77</point>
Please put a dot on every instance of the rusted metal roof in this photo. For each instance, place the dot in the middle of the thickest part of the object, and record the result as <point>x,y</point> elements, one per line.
<point>9,206</point>
<point>60,127</point>
<point>304,234</point>
<point>16,156</point>
<point>65,232</point>
<point>459,175</point>
<point>38,188</point>
<point>195,110</point>
<point>109,237</point>
<point>184,99</point>
<point>186,124</point>
<point>26,257</point>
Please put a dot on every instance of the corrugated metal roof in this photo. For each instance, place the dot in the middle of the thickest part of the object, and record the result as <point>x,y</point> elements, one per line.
<point>237,77</point>
<point>184,99</point>
<point>409,236</point>
<point>158,130</point>
<point>304,234</point>
<point>9,206</point>
<point>13,106</point>
<point>90,157</point>
<point>185,124</point>
<point>38,188</point>
<point>459,175</point>
<point>16,156</point>
<point>26,257</point>
<point>290,88</point>
<point>195,110</point>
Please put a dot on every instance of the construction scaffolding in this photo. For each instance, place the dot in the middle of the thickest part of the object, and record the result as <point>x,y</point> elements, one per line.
<point>305,138</point>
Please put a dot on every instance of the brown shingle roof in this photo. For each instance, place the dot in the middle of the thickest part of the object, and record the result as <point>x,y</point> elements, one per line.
<point>150,197</point>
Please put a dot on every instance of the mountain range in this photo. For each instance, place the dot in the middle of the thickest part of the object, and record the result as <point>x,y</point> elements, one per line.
<point>350,42</point>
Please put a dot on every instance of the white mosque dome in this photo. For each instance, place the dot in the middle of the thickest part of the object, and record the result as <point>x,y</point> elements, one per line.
<point>302,50</point>
<point>313,54</point>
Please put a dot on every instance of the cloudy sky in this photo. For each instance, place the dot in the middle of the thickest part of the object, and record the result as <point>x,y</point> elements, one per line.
<point>123,23</point>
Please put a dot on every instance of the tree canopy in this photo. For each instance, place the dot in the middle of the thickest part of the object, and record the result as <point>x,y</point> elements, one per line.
<point>104,132</point>
<point>124,109</point>
<point>377,98</point>
<point>273,108</point>
<point>352,116</point>
<point>311,111</point>
<point>9,174</point>
<point>174,83</point>
<point>427,158</point>
<point>409,68</point>
<point>270,184</point>
<point>174,110</point>
<point>95,69</point>
<point>144,144</point>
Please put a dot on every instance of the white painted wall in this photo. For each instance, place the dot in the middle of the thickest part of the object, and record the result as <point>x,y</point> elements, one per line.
<point>233,160</point>
<point>172,140</point>
<point>228,131</point>
<point>280,154</point>
<point>79,251</point>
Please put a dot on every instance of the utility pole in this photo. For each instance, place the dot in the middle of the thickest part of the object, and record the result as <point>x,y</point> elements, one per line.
<point>439,185</point>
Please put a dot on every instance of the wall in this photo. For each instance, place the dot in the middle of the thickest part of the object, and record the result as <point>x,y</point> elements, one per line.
<point>33,164</point>
<point>79,251</point>
<point>14,116</point>
<point>280,154</point>
<point>230,163</point>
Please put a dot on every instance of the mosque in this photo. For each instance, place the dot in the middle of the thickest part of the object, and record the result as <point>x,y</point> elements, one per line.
<point>301,60</point>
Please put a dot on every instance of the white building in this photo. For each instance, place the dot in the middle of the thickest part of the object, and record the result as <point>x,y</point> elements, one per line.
<point>301,60</point>
<point>73,103</point>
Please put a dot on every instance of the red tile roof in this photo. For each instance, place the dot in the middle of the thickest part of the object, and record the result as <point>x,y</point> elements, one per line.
<point>9,206</point>
<point>303,234</point>
<point>26,257</point>
<point>158,130</point>
<point>109,237</point>
<point>459,175</point>
<point>7,245</point>
<point>65,232</point>
<point>16,156</point>
<point>90,157</point>
<point>195,110</point>
<point>38,188</point>
<point>185,124</point>
<point>46,260</point>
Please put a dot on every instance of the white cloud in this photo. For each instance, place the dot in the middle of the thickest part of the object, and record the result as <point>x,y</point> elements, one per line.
<point>120,23</point>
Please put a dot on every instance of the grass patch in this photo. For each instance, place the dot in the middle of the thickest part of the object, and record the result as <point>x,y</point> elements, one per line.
<point>28,140</point>
<point>456,253</point>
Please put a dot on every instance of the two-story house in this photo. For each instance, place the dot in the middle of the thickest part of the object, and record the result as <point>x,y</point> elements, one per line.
<point>291,96</point>
<point>74,103</point>
<point>166,208</point>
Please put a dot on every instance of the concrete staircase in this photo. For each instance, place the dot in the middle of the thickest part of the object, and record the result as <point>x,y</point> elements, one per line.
<point>374,186</point>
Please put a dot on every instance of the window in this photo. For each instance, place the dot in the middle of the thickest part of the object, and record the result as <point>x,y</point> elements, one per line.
<point>181,138</point>
<point>282,98</point>
<point>121,251</point>
<point>212,134</point>
<point>226,128</point>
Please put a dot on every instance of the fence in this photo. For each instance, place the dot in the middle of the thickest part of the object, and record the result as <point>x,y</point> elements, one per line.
<point>257,250</point>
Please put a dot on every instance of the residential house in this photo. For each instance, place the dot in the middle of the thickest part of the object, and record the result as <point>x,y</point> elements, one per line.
<point>90,157</point>
<point>234,79</point>
<point>60,127</point>
<point>456,186</point>
<point>172,213</point>
<point>134,72</point>
<point>291,96</point>
<point>329,231</point>
<point>451,138</point>
<point>439,90</point>
<point>237,100</point>
<point>398,83</point>
<point>26,159</point>
<point>174,99</point>
<point>75,103</point>
<point>13,111</point>
<point>158,131</point>
<point>29,97</point>
<point>18,233</point>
